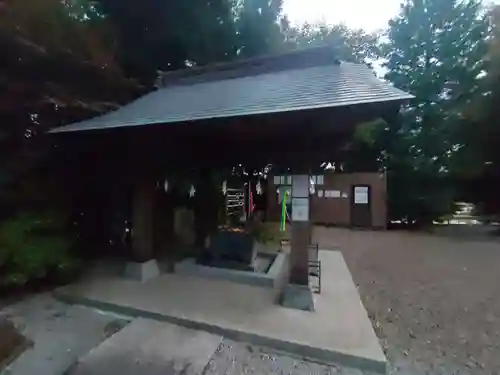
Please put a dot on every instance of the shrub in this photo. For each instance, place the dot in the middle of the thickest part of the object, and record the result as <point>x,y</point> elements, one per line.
<point>267,233</point>
<point>33,248</point>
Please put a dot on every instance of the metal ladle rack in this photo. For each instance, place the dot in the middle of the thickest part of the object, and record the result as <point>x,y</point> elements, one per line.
<point>235,203</point>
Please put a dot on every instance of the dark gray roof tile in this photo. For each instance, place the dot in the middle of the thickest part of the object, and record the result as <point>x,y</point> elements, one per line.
<point>293,89</point>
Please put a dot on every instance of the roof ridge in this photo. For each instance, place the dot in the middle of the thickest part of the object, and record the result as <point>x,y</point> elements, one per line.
<point>295,59</point>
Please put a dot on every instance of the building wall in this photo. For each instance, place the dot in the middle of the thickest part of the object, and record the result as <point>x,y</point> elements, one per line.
<point>337,211</point>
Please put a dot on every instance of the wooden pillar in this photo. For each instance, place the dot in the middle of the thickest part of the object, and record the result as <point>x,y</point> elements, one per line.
<point>205,208</point>
<point>299,253</point>
<point>142,221</point>
<point>297,293</point>
<point>300,233</point>
<point>164,228</point>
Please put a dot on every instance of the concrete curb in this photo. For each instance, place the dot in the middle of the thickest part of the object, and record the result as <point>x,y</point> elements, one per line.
<point>271,279</point>
<point>305,351</point>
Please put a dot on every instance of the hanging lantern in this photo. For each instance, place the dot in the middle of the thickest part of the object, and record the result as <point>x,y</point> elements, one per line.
<point>312,187</point>
<point>258,188</point>
<point>192,191</point>
<point>165,186</point>
<point>224,187</point>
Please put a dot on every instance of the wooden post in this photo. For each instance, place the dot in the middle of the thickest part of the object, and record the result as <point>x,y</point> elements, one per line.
<point>297,293</point>
<point>164,227</point>
<point>202,203</point>
<point>299,258</point>
<point>299,253</point>
<point>143,266</point>
<point>142,221</point>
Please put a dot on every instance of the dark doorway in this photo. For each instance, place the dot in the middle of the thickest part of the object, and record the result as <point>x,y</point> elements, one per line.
<point>361,206</point>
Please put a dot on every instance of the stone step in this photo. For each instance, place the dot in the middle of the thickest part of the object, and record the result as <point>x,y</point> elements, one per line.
<point>150,347</point>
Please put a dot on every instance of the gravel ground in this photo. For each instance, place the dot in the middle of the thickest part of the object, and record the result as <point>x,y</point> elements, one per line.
<point>237,358</point>
<point>434,301</point>
<point>60,333</point>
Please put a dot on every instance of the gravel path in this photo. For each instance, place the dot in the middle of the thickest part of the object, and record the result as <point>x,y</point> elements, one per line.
<point>60,333</point>
<point>237,358</point>
<point>434,301</point>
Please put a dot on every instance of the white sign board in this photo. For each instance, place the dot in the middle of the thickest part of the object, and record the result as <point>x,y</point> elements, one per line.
<point>300,186</point>
<point>320,193</point>
<point>361,195</point>
<point>332,193</point>
<point>300,209</point>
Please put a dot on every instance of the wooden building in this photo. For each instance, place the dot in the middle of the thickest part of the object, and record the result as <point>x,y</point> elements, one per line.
<point>294,110</point>
<point>354,200</point>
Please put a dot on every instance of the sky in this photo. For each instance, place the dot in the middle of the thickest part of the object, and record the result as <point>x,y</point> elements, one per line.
<point>370,15</point>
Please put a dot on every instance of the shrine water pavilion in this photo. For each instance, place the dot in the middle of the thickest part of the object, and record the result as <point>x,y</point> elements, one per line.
<point>294,110</point>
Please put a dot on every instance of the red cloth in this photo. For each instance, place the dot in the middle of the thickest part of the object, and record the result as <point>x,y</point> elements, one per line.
<point>250,199</point>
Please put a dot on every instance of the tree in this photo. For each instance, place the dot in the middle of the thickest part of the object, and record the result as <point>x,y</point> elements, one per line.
<point>435,50</point>
<point>258,27</point>
<point>477,162</point>
<point>55,67</point>
<point>352,45</point>
<point>170,35</point>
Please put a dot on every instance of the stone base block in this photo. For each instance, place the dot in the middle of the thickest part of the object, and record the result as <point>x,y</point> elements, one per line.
<point>298,297</point>
<point>143,271</point>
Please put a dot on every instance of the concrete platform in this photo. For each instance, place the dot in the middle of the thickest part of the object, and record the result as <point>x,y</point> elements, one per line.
<point>339,331</point>
<point>275,277</point>
<point>142,271</point>
<point>150,347</point>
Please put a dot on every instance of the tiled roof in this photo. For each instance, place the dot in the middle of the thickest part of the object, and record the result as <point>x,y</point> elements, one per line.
<point>263,86</point>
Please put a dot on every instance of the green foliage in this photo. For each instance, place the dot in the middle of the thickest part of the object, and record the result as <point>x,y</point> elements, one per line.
<point>365,152</point>
<point>257,27</point>
<point>169,35</point>
<point>476,165</point>
<point>351,45</point>
<point>435,50</point>
<point>55,68</point>
<point>417,198</point>
<point>267,233</point>
<point>32,248</point>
